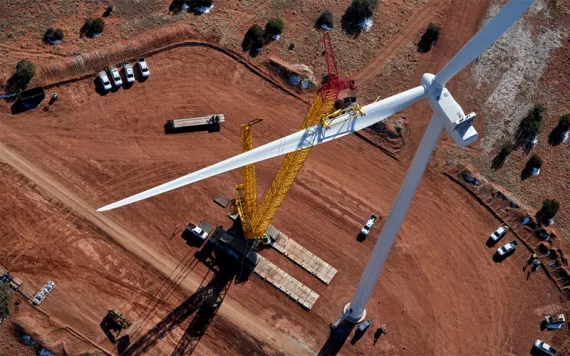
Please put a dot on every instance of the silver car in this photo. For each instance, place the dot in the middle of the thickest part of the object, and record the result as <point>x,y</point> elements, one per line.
<point>104,80</point>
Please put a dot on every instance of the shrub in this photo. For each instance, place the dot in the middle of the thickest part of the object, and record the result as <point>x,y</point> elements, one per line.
<point>108,11</point>
<point>93,27</point>
<point>25,71</point>
<point>549,208</point>
<point>502,156</point>
<point>354,16</point>
<point>253,40</point>
<point>53,35</point>
<point>429,38</point>
<point>556,136</point>
<point>529,128</point>
<point>534,162</point>
<point>5,300</point>
<point>273,29</point>
<point>325,20</point>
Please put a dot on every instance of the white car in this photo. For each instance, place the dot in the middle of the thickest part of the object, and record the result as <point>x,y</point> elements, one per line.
<point>116,76</point>
<point>545,348</point>
<point>104,80</point>
<point>500,232</point>
<point>129,72</point>
<point>37,300</point>
<point>143,67</point>
<point>507,248</point>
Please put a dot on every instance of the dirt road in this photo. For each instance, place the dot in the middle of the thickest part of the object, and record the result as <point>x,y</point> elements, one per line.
<point>247,321</point>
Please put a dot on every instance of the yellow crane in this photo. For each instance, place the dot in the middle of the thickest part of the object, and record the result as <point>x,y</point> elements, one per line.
<point>255,219</point>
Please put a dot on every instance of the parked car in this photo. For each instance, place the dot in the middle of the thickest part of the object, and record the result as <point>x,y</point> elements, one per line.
<point>129,72</point>
<point>143,67</point>
<point>116,76</point>
<point>507,248</point>
<point>499,233</point>
<point>545,348</point>
<point>104,80</point>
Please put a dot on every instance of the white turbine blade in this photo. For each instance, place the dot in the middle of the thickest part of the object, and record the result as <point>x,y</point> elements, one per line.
<point>314,135</point>
<point>494,29</point>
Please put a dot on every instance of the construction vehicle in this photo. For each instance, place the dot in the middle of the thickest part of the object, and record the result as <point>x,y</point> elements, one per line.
<point>507,248</point>
<point>367,227</point>
<point>554,321</point>
<point>118,319</point>
<point>499,233</point>
<point>545,348</point>
<point>256,218</point>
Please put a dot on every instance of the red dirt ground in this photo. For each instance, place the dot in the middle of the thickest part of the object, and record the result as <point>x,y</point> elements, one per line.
<point>440,293</point>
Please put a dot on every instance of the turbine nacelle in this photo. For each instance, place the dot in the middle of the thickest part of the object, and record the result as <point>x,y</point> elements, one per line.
<point>458,125</point>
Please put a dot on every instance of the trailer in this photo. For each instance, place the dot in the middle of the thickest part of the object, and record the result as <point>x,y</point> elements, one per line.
<point>210,123</point>
<point>554,321</point>
<point>31,98</point>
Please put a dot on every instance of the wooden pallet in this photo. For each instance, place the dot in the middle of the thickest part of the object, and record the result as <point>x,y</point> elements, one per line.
<point>301,256</point>
<point>285,283</point>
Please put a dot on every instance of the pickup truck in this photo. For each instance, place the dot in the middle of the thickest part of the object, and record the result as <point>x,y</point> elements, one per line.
<point>194,235</point>
<point>499,233</point>
<point>129,72</point>
<point>115,76</point>
<point>143,67</point>
<point>507,248</point>
<point>367,227</point>
<point>104,80</point>
<point>545,348</point>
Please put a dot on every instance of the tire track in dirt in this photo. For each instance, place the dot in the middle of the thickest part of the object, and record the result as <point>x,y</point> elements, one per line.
<point>232,310</point>
<point>414,25</point>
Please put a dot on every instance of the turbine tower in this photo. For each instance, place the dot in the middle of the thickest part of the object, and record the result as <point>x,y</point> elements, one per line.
<point>447,114</point>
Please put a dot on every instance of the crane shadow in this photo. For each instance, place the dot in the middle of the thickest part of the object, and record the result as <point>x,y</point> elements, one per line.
<point>205,303</point>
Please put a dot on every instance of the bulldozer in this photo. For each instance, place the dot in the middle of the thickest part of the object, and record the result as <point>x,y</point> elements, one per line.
<point>118,319</point>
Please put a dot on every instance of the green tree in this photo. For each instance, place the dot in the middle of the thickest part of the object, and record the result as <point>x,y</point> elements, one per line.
<point>549,208</point>
<point>503,155</point>
<point>93,27</point>
<point>53,35</point>
<point>325,20</point>
<point>25,71</point>
<point>5,300</point>
<point>530,126</point>
<point>253,40</point>
<point>429,38</point>
<point>273,28</point>
<point>354,16</point>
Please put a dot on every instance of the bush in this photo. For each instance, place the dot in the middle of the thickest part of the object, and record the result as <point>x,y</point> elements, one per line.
<point>354,16</point>
<point>529,128</point>
<point>25,71</point>
<point>93,27</point>
<point>549,208</point>
<point>273,28</point>
<point>253,40</point>
<point>429,38</point>
<point>53,35</point>
<point>5,300</point>
<point>108,11</point>
<point>556,136</point>
<point>502,156</point>
<point>325,20</point>
<point>534,162</point>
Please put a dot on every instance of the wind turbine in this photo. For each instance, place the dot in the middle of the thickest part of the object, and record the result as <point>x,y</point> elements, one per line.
<point>447,114</point>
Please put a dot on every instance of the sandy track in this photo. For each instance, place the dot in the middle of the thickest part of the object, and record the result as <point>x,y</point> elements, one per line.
<point>136,246</point>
